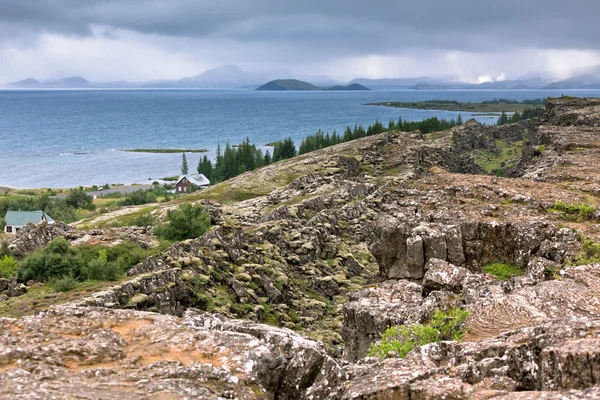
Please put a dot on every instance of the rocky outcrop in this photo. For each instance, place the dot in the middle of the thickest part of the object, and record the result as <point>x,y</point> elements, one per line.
<point>162,291</point>
<point>11,288</point>
<point>96,352</point>
<point>36,236</point>
<point>403,248</point>
<point>566,111</point>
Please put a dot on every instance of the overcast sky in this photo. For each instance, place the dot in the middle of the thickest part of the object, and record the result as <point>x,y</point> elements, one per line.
<point>473,40</point>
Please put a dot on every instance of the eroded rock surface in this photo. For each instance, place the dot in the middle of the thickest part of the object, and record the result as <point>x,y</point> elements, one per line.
<point>338,245</point>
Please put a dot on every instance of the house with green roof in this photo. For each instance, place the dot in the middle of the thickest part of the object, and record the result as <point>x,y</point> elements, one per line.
<point>15,220</point>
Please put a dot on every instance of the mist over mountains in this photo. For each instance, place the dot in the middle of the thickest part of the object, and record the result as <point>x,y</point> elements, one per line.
<point>231,76</point>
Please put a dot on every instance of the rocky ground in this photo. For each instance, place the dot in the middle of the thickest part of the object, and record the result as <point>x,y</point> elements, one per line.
<point>311,259</point>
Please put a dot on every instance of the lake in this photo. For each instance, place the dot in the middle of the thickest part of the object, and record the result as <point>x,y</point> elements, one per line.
<point>68,138</point>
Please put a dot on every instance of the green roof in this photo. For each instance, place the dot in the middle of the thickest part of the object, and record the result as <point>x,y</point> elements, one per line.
<point>22,218</point>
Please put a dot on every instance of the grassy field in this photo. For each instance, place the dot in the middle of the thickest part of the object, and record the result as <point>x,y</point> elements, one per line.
<point>457,106</point>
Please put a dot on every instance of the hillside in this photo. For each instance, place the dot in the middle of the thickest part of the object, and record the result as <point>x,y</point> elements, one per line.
<point>294,84</point>
<point>310,260</point>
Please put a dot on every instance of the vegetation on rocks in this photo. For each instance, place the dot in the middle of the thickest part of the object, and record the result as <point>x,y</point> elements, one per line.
<point>400,340</point>
<point>186,222</point>
<point>573,212</point>
<point>503,271</point>
<point>8,267</point>
<point>59,259</point>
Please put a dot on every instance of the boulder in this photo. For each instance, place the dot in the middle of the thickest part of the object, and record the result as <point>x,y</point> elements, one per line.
<point>441,275</point>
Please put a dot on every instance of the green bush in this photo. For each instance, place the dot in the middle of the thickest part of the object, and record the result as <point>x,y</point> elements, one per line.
<point>58,259</point>
<point>63,284</point>
<point>502,271</point>
<point>100,269</point>
<point>78,198</point>
<point>8,267</point>
<point>185,222</point>
<point>138,197</point>
<point>4,250</point>
<point>144,220</point>
<point>450,325</point>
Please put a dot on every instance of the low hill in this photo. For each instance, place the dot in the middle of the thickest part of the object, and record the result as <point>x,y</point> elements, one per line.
<point>288,84</point>
<point>294,84</point>
<point>352,86</point>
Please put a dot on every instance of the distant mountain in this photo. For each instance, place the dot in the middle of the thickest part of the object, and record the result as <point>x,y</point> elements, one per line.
<point>576,82</point>
<point>29,83</point>
<point>396,83</point>
<point>74,82</point>
<point>295,84</point>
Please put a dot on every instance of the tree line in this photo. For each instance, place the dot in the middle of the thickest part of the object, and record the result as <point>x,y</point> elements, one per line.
<point>237,159</point>
<point>517,116</point>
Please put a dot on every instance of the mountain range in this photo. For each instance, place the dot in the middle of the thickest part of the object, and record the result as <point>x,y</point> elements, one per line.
<point>232,76</point>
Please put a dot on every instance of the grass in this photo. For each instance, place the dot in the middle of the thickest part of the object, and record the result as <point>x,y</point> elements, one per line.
<point>40,296</point>
<point>502,271</point>
<point>167,150</point>
<point>400,340</point>
<point>573,212</point>
<point>506,156</point>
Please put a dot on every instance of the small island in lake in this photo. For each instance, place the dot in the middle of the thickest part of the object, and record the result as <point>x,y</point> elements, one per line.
<point>294,84</point>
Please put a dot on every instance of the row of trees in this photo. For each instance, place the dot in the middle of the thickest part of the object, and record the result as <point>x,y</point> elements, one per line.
<point>516,117</point>
<point>321,140</point>
<point>236,160</point>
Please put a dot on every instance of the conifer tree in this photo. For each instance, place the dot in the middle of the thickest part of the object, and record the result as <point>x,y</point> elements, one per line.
<point>184,165</point>
<point>459,120</point>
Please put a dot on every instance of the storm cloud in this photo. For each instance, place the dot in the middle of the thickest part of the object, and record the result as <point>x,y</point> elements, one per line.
<point>310,36</point>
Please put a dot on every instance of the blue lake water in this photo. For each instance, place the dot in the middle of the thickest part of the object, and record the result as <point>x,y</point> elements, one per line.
<point>67,138</point>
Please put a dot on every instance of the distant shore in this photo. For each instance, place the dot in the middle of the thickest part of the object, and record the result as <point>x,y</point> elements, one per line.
<point>167,151</point>
<point>443,105</point>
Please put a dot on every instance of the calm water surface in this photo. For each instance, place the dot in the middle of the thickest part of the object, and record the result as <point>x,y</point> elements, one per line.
<point>66,138</point>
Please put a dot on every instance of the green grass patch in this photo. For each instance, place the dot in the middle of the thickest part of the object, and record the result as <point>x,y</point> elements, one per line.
<point>503,271</point>
<point>450,325</point>
<point>573,212</point>
<point>494,162</point>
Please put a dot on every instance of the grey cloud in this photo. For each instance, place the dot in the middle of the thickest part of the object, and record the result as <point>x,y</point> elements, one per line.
<point>350,27</point>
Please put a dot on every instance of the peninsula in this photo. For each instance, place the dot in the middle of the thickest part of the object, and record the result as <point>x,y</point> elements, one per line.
<point>494,106</point>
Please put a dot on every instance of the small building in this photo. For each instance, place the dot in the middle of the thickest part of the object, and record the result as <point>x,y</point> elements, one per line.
<point>15,220</point>
<point>185,181</point>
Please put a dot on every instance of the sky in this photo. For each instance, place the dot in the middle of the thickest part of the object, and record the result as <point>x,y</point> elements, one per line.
<point>139,40</point>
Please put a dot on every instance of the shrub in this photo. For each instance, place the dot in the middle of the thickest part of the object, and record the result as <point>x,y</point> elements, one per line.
<point>8,267</point>
<point>78,198</point>
<point>58,259</point>
<point>502,271</point>
<point>590,252</point>
<point>144,220</point>
<point>185,222</point>
<point>100,269</point>
<point>449,325</point>
<point>63,284</point>
<point>138,197</point>
<point>4,250</point>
